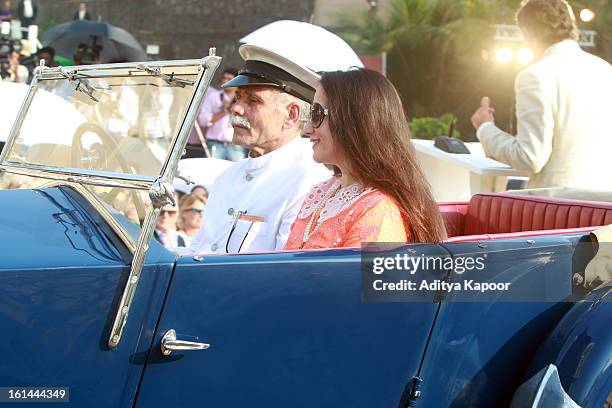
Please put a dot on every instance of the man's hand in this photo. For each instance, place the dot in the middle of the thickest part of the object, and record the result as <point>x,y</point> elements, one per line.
<point>484,113</point>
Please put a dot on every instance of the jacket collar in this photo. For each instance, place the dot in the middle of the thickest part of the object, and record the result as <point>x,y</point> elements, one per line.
<point>562,47</point>
<point>281,155</point>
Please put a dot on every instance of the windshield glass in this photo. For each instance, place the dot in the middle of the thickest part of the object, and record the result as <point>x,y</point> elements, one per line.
<point>111,120</point>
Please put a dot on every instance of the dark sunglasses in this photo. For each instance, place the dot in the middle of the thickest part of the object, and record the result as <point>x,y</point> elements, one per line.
<point>195,210</point>
<point>166,212</point>
<point>317,114</point>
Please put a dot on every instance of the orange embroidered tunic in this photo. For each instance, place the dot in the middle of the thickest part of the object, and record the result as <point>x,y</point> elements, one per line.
<point>333,217</point>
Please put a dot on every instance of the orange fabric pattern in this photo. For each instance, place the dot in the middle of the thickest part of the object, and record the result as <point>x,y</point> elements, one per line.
<point>346,217</point>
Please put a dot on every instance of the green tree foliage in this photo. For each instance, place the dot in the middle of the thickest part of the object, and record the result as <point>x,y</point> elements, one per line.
<point>436,48</point>
<point>430,127</point>
<point>370,34</point>
<point>434,51</point>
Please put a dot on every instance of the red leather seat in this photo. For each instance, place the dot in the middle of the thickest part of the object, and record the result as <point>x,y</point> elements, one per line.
<point>505,214</point>
<point>453,215</point>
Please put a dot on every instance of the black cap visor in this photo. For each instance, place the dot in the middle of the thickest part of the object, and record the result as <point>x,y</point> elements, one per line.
<point>258,73</point>
<point>243,79</point>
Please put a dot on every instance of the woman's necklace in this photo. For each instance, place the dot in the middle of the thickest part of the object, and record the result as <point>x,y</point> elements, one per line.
<point>307,233</point>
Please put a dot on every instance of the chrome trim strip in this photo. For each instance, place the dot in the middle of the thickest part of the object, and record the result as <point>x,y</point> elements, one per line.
<point>100,207</point>
<point>132,282</point>
<point>25,106</point>
<point>93,177</point>
<point>54,73</point>
<point>209,65</point>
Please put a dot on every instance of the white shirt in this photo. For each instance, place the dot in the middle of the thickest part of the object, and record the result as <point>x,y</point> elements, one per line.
<point>272,186</point>
<point>187,238</point>
<point>28,11</point>
<point>482,126</point>
<point>168,239</point>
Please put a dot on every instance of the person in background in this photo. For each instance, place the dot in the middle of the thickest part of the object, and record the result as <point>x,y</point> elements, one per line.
<point>190,219</point>
<point>214,120</point>
<point>82,13</point>
<point>27,10</point>
<point>165,229</point>
<point>87,55</point>
<point>48,54</point>
<point>81,49</point>
<point>96,57</point>
<point>562,106</point>
<point>27,58</point>
<point>16,72</point>
<point>6,12</point>
<point>200,190</point>
<point>379,192</point>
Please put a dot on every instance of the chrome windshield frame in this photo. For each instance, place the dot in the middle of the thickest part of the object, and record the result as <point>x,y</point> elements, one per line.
<point>93,177</point>
<point>99,177</point>
<point>157,191</point>
<point>23,110</point>
<point>159,187</point>
<point>50,73</point>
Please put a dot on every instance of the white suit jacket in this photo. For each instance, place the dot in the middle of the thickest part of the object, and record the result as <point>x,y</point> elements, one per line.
<point>564,121</point>
<point>272,186</point>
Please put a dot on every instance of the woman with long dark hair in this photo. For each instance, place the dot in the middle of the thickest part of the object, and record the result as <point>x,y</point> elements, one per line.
<point>379,193</point>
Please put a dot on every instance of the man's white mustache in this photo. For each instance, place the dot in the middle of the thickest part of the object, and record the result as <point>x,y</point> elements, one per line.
<point>241,121</point>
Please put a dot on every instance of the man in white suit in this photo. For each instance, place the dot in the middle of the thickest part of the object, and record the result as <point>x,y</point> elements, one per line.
<point>254,202</point>
<point>563,106</point>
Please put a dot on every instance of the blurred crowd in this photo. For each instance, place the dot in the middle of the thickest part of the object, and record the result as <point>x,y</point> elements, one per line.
<point>177,225</point>
<point>26,11</point>
<point>18,57</point>
<point>17,61</point>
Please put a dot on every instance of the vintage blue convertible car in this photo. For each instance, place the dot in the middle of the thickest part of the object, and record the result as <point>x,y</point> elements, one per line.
<point>91,305</point>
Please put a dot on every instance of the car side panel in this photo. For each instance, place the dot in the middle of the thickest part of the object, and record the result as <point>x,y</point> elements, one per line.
<point>46,228</point>
<point>286,329</point>
<point>60,282</point>
<point>581,349</point>
<point>481,348</point>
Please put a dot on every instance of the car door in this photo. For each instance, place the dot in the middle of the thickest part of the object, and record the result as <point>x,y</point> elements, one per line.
<point>61,278</point>
<point>485,357</point>
<point>284,329</point>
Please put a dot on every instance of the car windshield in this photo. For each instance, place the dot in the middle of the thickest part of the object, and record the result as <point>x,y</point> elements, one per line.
<point>113,120</point>
<point>116,122</point>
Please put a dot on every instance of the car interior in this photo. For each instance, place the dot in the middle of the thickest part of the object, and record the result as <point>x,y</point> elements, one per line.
<point>503,216</point>
<point>495,216</point>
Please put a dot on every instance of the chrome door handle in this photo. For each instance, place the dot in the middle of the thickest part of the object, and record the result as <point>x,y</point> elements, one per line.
<point>169,343</point>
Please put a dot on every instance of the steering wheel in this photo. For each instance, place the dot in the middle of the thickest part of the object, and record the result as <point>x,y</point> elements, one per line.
<point>108,151</point>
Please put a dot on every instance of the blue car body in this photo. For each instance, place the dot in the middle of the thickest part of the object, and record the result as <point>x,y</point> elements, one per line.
<point>285,329</point>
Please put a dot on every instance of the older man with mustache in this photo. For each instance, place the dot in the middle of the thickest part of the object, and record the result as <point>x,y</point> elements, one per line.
<point>252,205</point>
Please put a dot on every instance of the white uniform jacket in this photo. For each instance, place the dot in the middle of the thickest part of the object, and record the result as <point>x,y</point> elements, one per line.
<point>564,121</point>
<point>270,188</point>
